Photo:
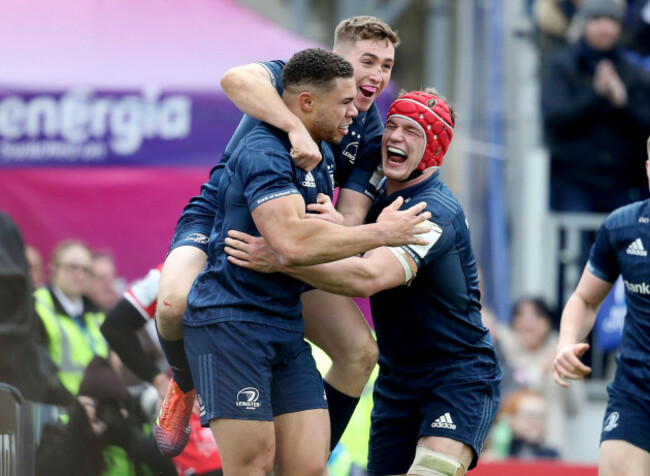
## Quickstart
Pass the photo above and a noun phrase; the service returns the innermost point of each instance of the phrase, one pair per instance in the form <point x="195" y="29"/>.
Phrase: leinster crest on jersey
<point x="352" y="147"/>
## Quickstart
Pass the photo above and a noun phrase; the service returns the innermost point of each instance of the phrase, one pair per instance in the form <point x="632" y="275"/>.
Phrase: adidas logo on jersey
<point x="444" y="421"/>
<point x="636" y="248"/>
<point x="309" y="180"/>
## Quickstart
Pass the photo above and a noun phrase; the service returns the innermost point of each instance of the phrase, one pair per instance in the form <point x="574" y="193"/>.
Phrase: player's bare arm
<point x="578" y="319"/>
<point x="300" y="242"/>
<point x="250" y="88"/>
<point x="378" y="269"/>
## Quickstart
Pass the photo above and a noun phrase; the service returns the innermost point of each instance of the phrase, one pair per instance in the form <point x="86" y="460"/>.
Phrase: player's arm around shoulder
<point x="251" y="88"/>
<point x="241" y="81"/>
<point x="377" y="270"/>
<point x="301" y="242"/>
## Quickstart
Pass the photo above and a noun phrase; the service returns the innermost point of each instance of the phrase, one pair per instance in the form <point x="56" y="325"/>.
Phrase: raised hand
<point x="567" y="364"/>
<point x="401" y="226"/>
<point x="324" y="210"/>
<point x="250" y="252"/>
<point x="608" y="84"/>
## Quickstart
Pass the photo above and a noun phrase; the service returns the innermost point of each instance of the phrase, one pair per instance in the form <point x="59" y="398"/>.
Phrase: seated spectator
<point x="69" y="323"/>
<point x="522" y="425"/>
<point x="596" y="112"/>
<point x="104" y="435"/>
<point x="528" y="349"/>
<point x="103" y="286"/>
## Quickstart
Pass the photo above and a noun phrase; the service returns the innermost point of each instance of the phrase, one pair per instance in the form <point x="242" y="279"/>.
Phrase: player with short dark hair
<point x="257" y="384"/>
<point x="619" y="249"/>
<point x="334" y="323"/>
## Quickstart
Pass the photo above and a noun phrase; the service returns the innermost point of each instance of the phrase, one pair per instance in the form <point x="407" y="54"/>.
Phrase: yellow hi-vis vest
<point x="71" y="347"/>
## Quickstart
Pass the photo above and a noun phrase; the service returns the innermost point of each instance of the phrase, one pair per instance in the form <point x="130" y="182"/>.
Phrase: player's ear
<point x="306" y="100"/>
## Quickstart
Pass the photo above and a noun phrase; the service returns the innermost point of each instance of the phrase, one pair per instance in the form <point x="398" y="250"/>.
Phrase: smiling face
<point x="402" y="148"/>
<point x="373" y="64"/>
<point x="334" y="112"/>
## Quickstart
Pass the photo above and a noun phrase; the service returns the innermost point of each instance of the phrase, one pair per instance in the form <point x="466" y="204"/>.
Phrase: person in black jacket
<point x="596" y="111"/>
<point x="23" y="363"/>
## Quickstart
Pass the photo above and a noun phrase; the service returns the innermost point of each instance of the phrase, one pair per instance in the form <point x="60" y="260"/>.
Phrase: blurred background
<point x="111" y="116"/>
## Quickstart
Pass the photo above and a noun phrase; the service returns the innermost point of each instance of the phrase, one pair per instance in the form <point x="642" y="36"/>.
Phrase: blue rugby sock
<point x="174" y="351"/>
<point x="341" y="408"/>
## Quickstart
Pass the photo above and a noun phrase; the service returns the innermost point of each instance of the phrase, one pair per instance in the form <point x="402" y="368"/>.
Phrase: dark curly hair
<point x="315" y="67"/>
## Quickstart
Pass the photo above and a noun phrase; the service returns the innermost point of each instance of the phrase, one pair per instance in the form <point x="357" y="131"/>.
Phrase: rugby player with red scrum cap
<point x="438" y="387"/>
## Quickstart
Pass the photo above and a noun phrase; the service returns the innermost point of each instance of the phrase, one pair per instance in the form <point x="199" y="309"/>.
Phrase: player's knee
<point x="358" y="356"/>
<point x="428" y="462"/>
<point x="314" y="467"/>
<point x="369" y="355"/>
<point x="261" y="464"/>
<point x="171" y="306"/>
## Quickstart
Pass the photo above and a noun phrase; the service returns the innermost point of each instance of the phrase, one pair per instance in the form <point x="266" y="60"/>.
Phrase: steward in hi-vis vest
<point x="72" y="341"/>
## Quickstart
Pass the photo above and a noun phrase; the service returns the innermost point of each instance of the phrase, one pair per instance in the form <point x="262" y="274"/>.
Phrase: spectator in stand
<point x="131" y="313"/>
<point x="69" y="322"/>
<point x="521" y="428"/>
<point x="36" y="268"/>
<point x="552" y="19"/>
<point x="596" y="111"/>
<point x="528" y="348"/>
<point x="103" y="288"/>
<point x="558" y="23"/>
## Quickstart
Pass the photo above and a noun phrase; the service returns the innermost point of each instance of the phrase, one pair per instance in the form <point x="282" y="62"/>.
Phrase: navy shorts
<point x="627" y="418"/>
<point x="195" y="223"/>
<point x="428" y="404"/>
<point x="251" y="371"/>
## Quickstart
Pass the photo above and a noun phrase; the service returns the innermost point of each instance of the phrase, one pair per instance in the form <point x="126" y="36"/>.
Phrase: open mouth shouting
<point x="395" y="156"/>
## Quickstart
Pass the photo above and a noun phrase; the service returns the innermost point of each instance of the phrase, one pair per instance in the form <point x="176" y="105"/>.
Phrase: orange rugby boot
<point x="173" y="423"/>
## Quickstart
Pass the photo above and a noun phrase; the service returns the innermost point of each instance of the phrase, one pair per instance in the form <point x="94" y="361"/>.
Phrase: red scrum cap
<point x="433" y="115"/>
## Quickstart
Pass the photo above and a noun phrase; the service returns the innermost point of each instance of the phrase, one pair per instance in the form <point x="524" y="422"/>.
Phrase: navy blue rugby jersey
<point x="358" y="156"/>
<point x="260" y="169"/>
<point x="357" y="159"/>
<point x="435" y="322"/>
<point x="621" y="247"/>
